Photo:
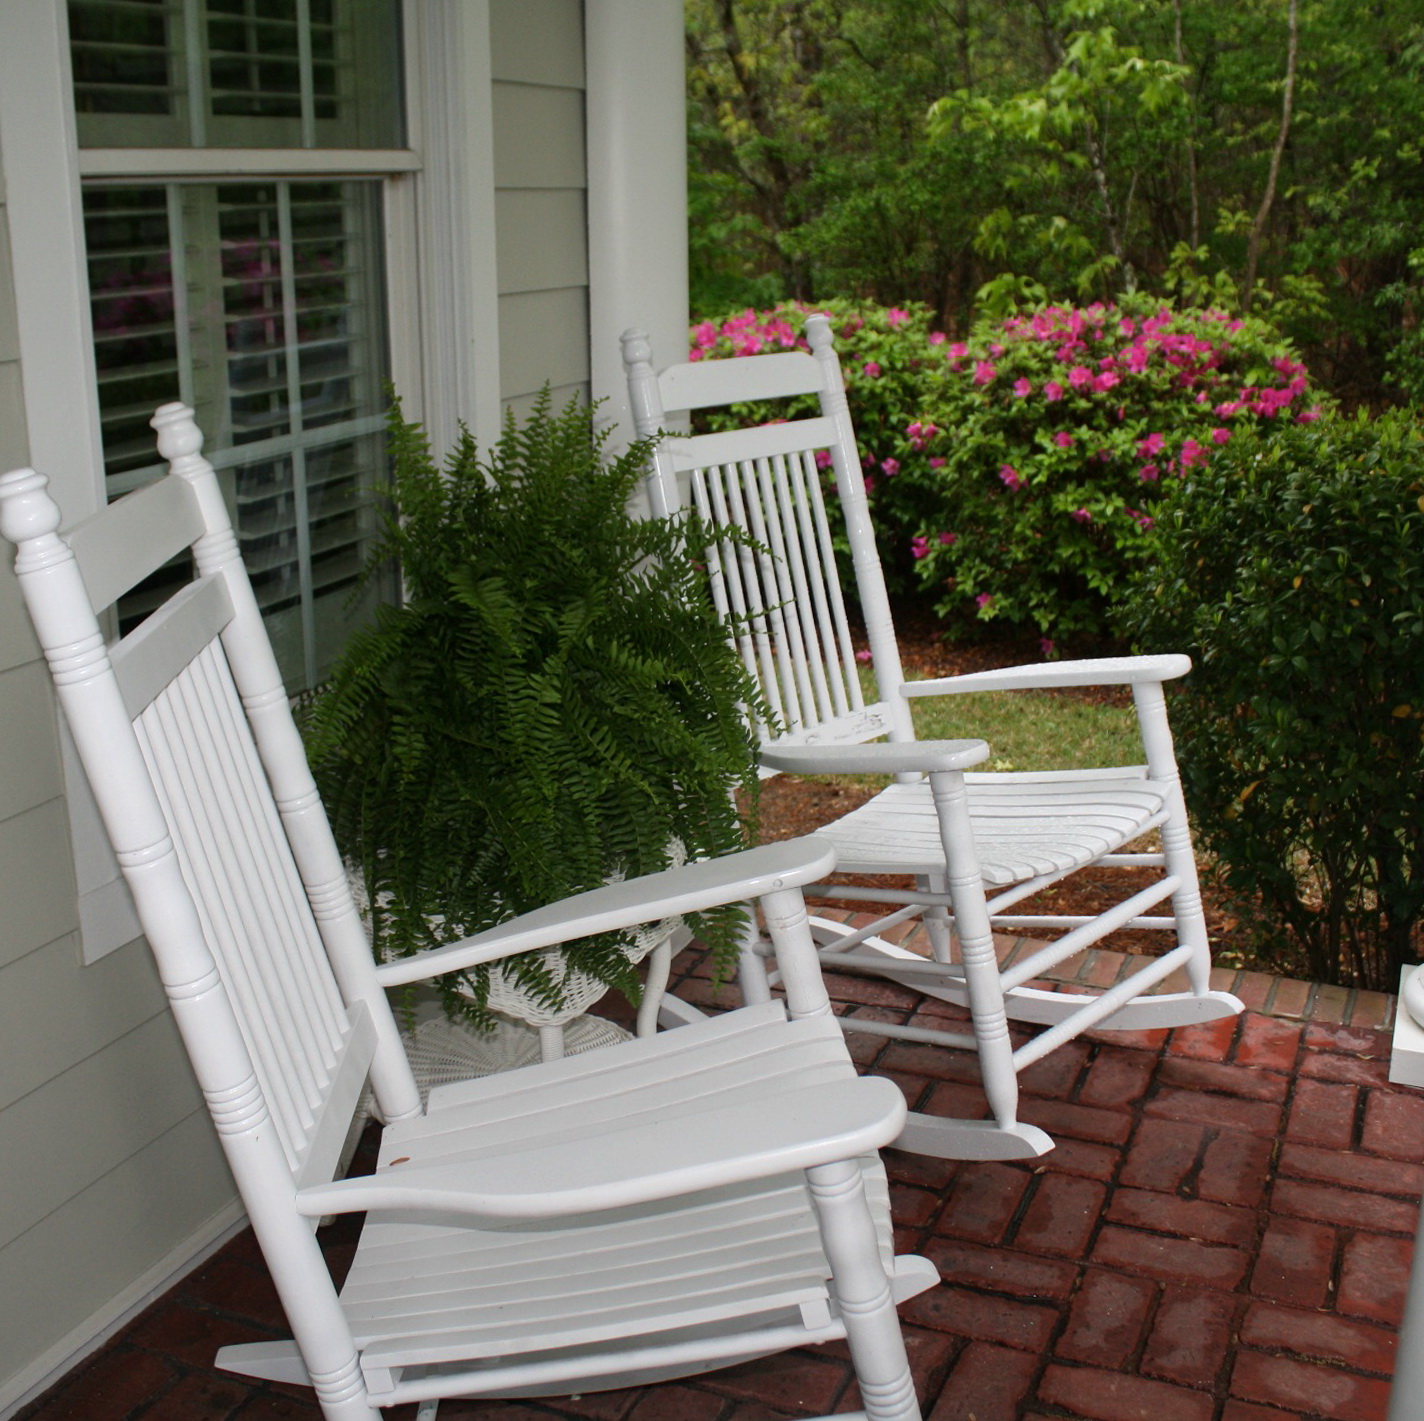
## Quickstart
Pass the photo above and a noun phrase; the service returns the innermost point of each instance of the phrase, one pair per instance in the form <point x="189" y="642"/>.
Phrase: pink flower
<point x="1079" y="376"/>
<point x="1053" y="391"/>
<point x="869" y="484"/>
<point x="1063" y="439"/>
<point x="983" y="600"/>
<point x="890" y="467"/>
<point x="914" y="429"/>
<point x="1127" y="327"/>
<point x="938" y="462"/>
<point x="958" y="349"/>
<point x="896" y="317"/>
<point x="1022" y="387"/>
<point x="1148" y="473"/>
<point x="1081" y="515"/>
<point x="937" y="337"/>
<point x="862" y="656"/>
<point x="948" y="539"/>
<point x="995" y="349"/>
<point x="920" y="546"/>
<point x="1137" y="359"/>
<point x="1141" y="519"/>
<point x="872" y="369"/>
<point x="1220" y="436"/>
<point x="984" y="371"/>
<point x="823" y="458"/>
<point x="1192" y="453"/>
<point x="1107" y="380"/>
<point x="704" y="335"/>
<point x="1308" y="416"/>
<point x="1225" y="411"/>
<point x="1010" y="478"/>
<point x="1045" y="645"/>
<point x="1150" y="446"/>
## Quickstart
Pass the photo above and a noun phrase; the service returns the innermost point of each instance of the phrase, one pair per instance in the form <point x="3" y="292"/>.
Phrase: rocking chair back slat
<point x="778" y="590"/>
<point x="240" y="872"/>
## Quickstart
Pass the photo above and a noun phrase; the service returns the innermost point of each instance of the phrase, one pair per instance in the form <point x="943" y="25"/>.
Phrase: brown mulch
<point x="791" y="807"/>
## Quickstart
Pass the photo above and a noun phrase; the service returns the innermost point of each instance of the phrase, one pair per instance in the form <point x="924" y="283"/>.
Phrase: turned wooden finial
<point x="818" y="332"/>
<point x="637" y="348"/>
<point x="178" y="432"/>
<point x="26" y="509"/>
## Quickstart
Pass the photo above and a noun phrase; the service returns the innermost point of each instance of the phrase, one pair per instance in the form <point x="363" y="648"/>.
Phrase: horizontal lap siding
<point x="541" y="211"/>
<point x="108" y="1163"/>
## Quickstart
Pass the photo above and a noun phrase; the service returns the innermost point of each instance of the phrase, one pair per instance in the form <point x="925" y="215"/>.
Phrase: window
<point x="234" y="264"/>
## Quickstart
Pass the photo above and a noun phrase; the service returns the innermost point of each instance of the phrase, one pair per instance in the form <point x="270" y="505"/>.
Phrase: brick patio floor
<point x="1223" y="1233"/>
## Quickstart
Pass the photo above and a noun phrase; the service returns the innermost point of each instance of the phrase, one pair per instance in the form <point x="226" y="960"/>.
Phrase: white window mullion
<point x="292" y="357"/>
<point x="182" y="331"/>
<point x="195" y="57"/>
<point x="305" y="75"/>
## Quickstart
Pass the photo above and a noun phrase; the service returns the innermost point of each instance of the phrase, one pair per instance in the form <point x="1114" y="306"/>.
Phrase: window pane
<point x="262" y="305"/>
<point x="237" y="73"/>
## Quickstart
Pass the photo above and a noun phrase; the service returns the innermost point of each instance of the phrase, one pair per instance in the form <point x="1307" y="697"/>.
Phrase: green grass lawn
<point x="1034" y="730"/>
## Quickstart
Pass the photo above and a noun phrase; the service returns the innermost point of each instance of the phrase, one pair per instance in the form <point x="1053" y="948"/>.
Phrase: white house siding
<point x="107" y="1161"/>
<point x="541" y="212"/>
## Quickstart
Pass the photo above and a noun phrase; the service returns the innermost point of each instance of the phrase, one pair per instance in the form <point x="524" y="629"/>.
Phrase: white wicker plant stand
<point x="442" y="1050"/>
<point x="529" y="1030"/>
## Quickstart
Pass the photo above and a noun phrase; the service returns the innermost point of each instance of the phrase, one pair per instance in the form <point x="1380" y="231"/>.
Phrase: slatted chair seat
<point x="650" y="1210"/>
<point x="1024" y="827"/>
<point x="977" y="843"/>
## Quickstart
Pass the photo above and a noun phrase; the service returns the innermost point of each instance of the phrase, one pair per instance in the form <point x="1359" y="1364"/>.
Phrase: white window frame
<point x="441" y="280"/>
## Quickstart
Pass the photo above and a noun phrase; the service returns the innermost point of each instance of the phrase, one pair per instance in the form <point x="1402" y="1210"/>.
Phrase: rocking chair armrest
<point x="660" y="1159"/>
<point x="1048" y="675"/>
<point x="904" y="757"/>
<point x="691" y="888"/>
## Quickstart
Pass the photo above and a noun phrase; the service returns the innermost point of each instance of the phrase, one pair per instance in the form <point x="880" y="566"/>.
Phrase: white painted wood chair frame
<point x="956" y="831"/>
<point x="655" y="1209"/>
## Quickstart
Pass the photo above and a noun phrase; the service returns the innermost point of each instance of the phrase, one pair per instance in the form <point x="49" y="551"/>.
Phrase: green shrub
<point x="1059" y="434"/>
<point x="554" y="703"/>
<point x="1292" y="569"/>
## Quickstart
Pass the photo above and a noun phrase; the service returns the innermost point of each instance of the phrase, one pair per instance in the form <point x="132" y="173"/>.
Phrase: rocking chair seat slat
<point x="435" y="1293"/>
<point x="1018" y="833"/>
<point x="781" y="1100"/>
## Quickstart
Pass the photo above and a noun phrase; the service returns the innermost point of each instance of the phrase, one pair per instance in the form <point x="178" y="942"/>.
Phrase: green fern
<point x="555" y="701"/>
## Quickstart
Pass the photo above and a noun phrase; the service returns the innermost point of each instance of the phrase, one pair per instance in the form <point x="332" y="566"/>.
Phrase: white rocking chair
<point x="655" y="1209"/>
<point x="956" y="832"/>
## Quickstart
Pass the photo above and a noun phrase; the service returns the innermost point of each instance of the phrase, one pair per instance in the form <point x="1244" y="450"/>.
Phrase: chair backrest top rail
<point x="700" y="384"/>
<point x="123" y="543"/>
<point x="153" y="655"/>
<point x="762" y="441"/>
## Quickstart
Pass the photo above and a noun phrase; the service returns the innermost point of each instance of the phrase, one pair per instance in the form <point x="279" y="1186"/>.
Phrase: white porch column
<point x="637" y="189"/>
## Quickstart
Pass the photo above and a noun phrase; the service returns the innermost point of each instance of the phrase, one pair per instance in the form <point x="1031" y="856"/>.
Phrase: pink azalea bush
<point x="1016" y="475"/>
<point x="1054" y="470"/>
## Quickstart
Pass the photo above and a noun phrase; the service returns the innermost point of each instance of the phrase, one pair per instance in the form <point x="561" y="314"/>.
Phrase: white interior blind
<point x="236" y="73"/>
<point x="262" y="305"/>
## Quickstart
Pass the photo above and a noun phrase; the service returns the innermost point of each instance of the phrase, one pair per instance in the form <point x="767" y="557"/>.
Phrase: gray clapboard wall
<point x="109" y="1167"/>
<point x="108" y="1162"/>
<point x="541" y="213"/>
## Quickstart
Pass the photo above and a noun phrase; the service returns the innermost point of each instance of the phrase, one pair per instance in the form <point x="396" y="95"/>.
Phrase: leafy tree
<point x="1256" y="154"/>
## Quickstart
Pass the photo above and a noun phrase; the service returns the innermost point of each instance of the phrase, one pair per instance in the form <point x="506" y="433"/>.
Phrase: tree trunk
<point x="1263" y="213"/>
<point x="1194" y="197"/>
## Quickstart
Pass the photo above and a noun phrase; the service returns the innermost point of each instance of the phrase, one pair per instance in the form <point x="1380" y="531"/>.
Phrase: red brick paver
<point x="1222" y="1233"/>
